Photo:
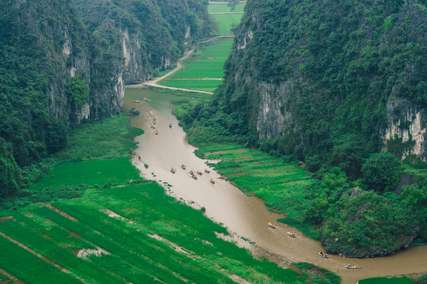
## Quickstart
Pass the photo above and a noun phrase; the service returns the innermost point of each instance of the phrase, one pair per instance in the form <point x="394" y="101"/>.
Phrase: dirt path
<point x="155" y="83"/>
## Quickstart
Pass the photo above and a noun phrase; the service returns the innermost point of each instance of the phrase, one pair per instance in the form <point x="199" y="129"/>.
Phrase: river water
<point x="163" y="147"/>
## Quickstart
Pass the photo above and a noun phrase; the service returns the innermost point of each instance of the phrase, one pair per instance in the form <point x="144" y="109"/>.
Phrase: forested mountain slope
<point x="342" y="87"/>
<point x="315" y="78"/>
<point x="63" y="62"/>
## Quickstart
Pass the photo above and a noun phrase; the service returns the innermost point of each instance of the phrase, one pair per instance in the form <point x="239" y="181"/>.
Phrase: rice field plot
<point x="135" y="233"/>
<point x="385" y="280"/>
<point x="226" y="18"/>
<point x="204" y="70"/>
<point x="88" y="173"/>
<point x="225" y="23"/>
<point x="282" y="185"/>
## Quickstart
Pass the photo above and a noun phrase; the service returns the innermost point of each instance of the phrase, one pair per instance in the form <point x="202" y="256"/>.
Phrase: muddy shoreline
<point x="163" y="149"/>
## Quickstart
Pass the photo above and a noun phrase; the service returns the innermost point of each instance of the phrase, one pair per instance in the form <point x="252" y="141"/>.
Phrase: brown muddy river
<point x="163" y="147"/>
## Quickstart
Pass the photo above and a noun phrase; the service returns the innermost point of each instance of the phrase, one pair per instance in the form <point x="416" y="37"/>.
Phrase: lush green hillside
<point x="332" y="84"/>
<point x="66" y="62"/>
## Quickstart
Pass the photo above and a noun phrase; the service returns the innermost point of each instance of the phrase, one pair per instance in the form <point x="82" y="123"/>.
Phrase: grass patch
<point x="97" y="155"/>
<point x="317" y="275"/>
<point x="225" y="23"/>
<point x="204" y="70"/>
<point x="385" y="280"/>
<point x="225" y="18"/>
<point x="283" y="186"/>
<point x="88" y="173"/>
<point x="110" y="138"/>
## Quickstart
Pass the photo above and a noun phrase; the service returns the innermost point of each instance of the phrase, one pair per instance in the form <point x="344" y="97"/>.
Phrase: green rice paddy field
<point x="205" y="69"/>
<point x="283" y="186"/>
<point x="226" y="18"/>
<point x="118" y="228"/>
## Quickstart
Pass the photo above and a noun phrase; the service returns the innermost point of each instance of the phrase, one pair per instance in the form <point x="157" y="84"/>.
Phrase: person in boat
<point x="323" y="254"/>
<point x="351" y="266"/>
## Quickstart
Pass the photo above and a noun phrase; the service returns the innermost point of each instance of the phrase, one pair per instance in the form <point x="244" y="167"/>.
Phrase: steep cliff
<point x="312" y="77"/>
<point x="341" y="86"/>
<point x="64" y="62"/>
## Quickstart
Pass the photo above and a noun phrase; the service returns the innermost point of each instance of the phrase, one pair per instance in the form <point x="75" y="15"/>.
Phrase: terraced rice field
<point x="99" y="222"/>
<point x="282" y="185"/>
<point x="126" y="234"/>
<point x="205" y="69"/>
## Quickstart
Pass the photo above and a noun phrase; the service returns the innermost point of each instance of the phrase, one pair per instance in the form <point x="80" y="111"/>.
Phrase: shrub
<point x="366" y="224"/>
<point x="381" y="172"/>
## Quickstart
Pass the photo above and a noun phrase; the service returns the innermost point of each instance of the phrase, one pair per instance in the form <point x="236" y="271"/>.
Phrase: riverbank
<point x="91" y="218"/>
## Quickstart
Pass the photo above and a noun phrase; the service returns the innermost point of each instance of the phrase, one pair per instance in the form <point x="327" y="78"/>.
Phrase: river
<point x="163" y="146"/>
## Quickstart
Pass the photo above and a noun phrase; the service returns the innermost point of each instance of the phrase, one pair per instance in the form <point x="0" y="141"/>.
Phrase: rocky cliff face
<point x="64" y="62"/>
<point x="314" y="77"/>
<point x="406" y="127"/>
<point x="136" y="39"/>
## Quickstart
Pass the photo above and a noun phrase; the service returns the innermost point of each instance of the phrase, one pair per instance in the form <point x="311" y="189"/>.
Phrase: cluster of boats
<point x="194" y="174"/>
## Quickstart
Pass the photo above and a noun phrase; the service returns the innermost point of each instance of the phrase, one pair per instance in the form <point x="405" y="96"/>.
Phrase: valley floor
<point x="118" y="228"/>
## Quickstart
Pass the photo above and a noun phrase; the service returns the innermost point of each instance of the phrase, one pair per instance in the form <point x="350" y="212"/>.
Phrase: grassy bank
<point x="99" y="222"/>
<point x="98" y="145"/>
<point x="282" y="185"/>
<point x="396" y="280"/>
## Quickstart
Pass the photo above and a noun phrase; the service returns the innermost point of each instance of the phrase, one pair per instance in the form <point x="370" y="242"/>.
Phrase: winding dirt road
<point x="155" y="83"/>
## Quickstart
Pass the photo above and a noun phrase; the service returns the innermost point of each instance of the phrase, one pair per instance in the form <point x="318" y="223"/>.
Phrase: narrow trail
<point x="155" y="83"/>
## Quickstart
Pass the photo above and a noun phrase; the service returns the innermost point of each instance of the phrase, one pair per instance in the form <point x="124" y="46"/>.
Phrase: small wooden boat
<point x="292" y="235"/>
<point x="270" y="225"/>
<point x="351" y="266"/>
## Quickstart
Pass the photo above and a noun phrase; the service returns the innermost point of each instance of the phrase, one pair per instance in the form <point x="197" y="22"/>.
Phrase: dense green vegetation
<point x="397" y="280"/>
<point x="63" y="62"/>
<point x="121" y="228"/>
<point x="319" y="82"/>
